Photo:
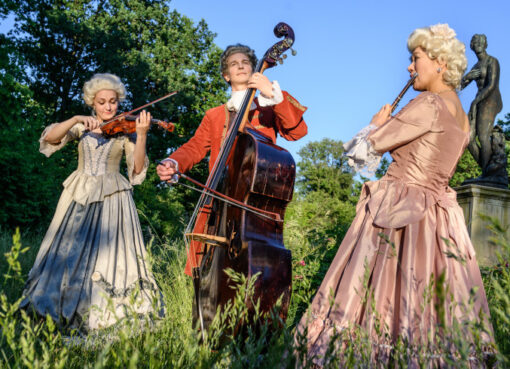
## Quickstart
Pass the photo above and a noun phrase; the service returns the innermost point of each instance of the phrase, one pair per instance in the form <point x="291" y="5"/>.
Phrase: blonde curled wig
<point x="439" y="42"/>
<point x="103" y="81"/>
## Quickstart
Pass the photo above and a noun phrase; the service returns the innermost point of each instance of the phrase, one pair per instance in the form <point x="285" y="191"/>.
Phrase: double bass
<point x="248" y="239"/>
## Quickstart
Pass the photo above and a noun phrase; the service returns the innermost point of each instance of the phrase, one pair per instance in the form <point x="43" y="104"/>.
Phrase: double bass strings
<point x="209" y="193"/>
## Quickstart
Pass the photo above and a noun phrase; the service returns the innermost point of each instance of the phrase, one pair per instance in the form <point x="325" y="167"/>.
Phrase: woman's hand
<point x="382" y="116"/>
<point x="261" y="83"/>
<point x="89" y="122"/>
<point x="143" y="123"/>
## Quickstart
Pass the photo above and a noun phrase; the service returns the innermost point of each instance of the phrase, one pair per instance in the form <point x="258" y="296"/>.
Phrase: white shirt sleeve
<point x="276" y="99"/>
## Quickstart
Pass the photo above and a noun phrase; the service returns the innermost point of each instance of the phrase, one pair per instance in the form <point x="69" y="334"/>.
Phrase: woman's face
<point x="426" y="68"/>
<point x="106" y="104"/>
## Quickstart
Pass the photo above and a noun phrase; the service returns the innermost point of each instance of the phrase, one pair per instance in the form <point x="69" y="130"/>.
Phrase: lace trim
<point x="96" y="149"/>
<point x="271" y="101"/>
<point x="142" y="283"/>
<point x="361" y="155"/>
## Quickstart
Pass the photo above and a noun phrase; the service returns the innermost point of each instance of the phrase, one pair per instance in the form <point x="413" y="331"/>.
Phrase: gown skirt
<point x="92" y="269"/>
<point x="389" y="281"/>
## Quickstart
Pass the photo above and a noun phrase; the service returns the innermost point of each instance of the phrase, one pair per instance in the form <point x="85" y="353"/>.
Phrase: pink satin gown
<point x="422" y="223"/>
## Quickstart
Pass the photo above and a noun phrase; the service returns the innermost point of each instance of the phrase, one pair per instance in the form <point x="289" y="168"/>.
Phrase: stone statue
<point x="484" y="108"/>
<point x="496" y="172"/>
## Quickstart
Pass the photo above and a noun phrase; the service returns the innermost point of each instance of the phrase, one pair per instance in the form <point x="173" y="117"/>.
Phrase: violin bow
<point x="141" y="107"/>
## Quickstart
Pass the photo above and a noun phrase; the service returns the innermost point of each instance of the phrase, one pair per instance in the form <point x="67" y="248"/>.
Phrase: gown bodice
<point x="98" y="172"/>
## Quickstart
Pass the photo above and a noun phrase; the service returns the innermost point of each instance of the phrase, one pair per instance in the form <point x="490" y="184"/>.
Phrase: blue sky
<point x="352" y="55"/>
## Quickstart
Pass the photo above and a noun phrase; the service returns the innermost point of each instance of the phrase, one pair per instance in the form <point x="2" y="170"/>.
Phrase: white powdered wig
<point x="439" y="42"/>
<point x="103" y="81"/>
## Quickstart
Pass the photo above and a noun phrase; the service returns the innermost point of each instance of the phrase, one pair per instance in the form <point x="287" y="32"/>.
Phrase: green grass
<point x="172" y="343"/>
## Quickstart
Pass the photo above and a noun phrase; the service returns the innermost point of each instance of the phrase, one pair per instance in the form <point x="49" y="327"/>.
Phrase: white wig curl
<point x="103" y="81"/>
<point x="439" y="42"/>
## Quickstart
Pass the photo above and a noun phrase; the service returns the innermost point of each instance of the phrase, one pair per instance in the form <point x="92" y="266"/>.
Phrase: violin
<point x="126" y="124"/>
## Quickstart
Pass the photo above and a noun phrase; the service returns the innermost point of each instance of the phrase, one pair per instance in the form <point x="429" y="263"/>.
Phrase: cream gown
<point x="93" y="250"/>
<point x="396" y="244"/>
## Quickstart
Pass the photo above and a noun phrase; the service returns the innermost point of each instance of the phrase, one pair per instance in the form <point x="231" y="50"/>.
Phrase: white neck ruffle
<point x="235" y="101"/>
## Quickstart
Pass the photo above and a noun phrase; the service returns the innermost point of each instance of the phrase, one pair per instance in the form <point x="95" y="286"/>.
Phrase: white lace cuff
<point x="276" y="99"/>
<point x="362" y="157"/>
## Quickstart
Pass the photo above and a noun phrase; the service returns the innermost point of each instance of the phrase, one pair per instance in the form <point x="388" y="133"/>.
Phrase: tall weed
<point x="172" y="342"/>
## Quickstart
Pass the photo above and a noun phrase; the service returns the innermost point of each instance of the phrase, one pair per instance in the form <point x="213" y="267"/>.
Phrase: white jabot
<point x="362" y="156"/>
<point x="235" y="101"/>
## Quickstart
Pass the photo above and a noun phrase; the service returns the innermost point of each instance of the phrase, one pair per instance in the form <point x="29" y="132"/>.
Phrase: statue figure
<point x="496" y="172"/>
<point x="484" y="108"/>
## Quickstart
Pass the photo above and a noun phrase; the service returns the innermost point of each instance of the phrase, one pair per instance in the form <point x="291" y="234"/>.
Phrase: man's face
<point x="239" y="69"/>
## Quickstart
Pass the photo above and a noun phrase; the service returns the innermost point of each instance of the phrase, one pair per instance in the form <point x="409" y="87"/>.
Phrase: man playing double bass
<point x="273" y="111"/>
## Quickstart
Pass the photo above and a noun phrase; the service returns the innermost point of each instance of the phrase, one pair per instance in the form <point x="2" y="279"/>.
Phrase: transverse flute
<point x="404" y="90"/>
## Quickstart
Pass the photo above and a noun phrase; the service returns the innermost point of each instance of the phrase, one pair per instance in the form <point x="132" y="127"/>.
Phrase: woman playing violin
<point x="93" y="250"/>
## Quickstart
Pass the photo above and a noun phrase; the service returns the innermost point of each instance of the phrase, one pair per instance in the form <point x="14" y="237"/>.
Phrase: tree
<point x="505" y="125"/>
<point x="153" y="49"/>
<point x="324" y="168"/>
<point x="26" y="187"/>
<point x="467" y="168"/>
<point x="326" y="193"/>
<point x="321" y="212"/>
<point x="5" y="7"/>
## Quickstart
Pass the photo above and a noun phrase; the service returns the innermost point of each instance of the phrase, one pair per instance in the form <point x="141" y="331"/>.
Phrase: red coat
<point x="285" y="118"/>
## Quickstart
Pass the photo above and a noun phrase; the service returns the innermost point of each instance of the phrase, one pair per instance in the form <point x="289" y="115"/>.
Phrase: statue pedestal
<point x="490" y="201"/>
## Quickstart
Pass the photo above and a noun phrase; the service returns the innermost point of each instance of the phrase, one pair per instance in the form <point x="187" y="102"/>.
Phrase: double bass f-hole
<point x="234" y="245"/>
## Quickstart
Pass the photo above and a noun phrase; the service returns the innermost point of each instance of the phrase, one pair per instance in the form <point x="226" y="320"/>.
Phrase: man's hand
<point x="167" y="170"/>
<point x="261" y="83"/>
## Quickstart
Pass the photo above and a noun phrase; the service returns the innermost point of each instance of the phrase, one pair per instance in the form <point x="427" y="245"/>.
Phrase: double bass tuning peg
<point x="280" y="61"/>
<point x="294" y="52"/>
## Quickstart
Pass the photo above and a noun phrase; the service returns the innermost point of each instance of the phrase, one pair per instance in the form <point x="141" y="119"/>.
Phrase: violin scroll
<point x="275" y="53"/>
<point x="167" y="126"/>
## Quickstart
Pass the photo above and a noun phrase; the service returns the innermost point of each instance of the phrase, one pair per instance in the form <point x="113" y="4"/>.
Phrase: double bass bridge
<point x="209" y="239"/>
